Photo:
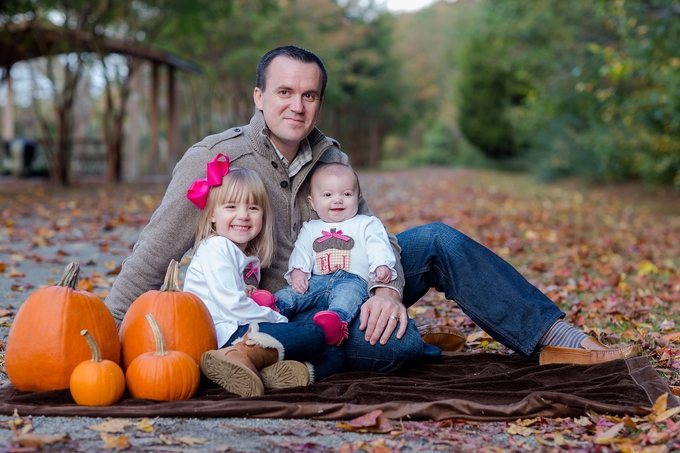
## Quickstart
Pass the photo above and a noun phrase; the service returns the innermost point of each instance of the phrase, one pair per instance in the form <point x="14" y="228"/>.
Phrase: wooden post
<point x="8" y="114"/>
<point x="153" y="156"/>
<point x="131" y="160"/>
<point x="173" y="120"/>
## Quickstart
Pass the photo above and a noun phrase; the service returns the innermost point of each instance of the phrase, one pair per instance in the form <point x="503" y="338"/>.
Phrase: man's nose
<point x="297" y="105"/>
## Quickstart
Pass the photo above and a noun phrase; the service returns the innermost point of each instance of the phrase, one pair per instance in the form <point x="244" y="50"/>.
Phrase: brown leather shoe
<point x="554" y="354"/>
<point x="446" y="338"/>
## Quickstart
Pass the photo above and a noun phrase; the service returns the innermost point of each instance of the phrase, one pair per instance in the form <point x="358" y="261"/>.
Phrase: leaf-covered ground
<point x="610" y="257"/>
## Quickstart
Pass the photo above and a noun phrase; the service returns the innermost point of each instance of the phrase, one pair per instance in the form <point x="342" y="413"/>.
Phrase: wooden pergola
<point x="29" y="40"/>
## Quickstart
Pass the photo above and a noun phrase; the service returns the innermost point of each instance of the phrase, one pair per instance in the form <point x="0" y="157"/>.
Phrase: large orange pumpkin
<point x="44" y="345"/>
<point x="183" y="318"/>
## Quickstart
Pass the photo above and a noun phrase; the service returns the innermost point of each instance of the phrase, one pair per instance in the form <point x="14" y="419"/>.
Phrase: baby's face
<point x="335" y="197"/>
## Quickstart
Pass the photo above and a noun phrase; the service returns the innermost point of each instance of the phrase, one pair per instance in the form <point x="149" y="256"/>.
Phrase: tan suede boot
<point x="286" y="374"/>
<point x="236" y="368"/>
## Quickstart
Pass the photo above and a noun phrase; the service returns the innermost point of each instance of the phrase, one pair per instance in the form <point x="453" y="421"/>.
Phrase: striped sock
<point x="562" y="335"/>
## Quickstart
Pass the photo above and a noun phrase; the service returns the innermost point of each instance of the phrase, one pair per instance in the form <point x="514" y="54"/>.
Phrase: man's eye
<point x="311" y="97"/>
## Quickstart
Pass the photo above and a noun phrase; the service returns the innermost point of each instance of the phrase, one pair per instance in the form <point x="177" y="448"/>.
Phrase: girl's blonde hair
<point x="240" y="185"/>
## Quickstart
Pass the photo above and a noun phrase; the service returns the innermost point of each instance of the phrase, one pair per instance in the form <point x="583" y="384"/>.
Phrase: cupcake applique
<point x="333" y="251"/>
<point x="250" y="276"/>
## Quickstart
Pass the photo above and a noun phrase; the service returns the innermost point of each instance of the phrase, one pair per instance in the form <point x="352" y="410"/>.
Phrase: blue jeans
<point x="303" y="342"/>
<point x="488" y="289"/>
<point x="341" y="292"/>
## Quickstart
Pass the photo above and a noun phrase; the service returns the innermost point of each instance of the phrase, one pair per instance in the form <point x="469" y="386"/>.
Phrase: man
<point x="282" y="144"/>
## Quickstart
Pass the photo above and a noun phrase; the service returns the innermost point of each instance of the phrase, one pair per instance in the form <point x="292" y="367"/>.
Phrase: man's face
<point x="290" y="103"/>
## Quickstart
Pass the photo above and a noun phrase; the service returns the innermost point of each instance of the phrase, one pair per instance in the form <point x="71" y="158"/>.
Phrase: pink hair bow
<point x="215" y="171"/>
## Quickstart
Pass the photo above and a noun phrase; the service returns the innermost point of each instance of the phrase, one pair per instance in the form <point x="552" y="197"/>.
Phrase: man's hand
<point x="299" y="281"/>
<point x="381" y="314"/>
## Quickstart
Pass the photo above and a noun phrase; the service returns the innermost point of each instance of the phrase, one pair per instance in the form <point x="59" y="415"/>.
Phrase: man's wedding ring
<point x="393" y="317"/>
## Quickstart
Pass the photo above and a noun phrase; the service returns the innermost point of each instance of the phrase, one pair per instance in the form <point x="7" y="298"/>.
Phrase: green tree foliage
<point x="427" y="44"/>
<point x="587" y="88"/>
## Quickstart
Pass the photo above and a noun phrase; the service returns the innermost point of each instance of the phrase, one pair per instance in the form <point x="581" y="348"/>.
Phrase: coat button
<point x="275" y="165"/>
<point x="284" y="184"/>
<point x="237" y="130"/>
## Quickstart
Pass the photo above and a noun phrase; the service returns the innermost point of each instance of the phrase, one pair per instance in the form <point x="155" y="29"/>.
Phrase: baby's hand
<point x="298" y="281"/>
<point x="383" y="274"/>
<point x="249" y="290"/>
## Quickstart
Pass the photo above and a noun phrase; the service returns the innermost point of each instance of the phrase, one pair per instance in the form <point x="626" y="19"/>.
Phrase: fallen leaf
<point x="39" y="440"/>
<point x="191" y="441"/>
<point x="366" y="420"/>
<point x="372" y="422"/>
<point x="114" y="425"/>
<point x="520" y="430"/>
<point x="145" y="425"/>
<point x="117" y="442"/>
<point x="608" y="436"/>
<point x="13" y="273"/>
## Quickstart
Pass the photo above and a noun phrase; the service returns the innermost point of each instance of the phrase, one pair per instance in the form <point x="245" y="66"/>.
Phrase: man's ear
<point x="257" y="98"/>
<point x="311" y="202"/>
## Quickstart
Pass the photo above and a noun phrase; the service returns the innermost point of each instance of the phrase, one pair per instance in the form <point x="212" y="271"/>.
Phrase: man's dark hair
<point x="295" y="53"/>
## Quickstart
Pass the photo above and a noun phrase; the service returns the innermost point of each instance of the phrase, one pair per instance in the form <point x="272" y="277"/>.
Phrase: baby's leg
<point x="290" y="302"/>
<point x="347" y="293"/>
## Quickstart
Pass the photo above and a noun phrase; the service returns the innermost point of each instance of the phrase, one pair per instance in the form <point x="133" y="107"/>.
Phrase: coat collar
<point x="262" y="144"/>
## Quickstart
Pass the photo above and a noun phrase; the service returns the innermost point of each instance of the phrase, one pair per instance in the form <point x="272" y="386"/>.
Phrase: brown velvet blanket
<point x="462" y="385"/>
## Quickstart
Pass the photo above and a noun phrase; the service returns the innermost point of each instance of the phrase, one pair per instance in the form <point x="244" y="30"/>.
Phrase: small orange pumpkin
<point x="162" y="375"/>
<point x="183" y="317"/>
<point x="44" y="344"/>
<point x="97" y="382"/>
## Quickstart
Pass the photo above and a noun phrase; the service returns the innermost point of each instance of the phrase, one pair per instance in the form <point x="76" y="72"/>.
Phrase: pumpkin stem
<point x="157" y="335"/>
<point x="171" y="282"/>
<point x="94" y="347"/>
<point x="70" y="276"/>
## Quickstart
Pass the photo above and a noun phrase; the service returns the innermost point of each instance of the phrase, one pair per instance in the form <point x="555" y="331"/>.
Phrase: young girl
<point x="233" y="240"/>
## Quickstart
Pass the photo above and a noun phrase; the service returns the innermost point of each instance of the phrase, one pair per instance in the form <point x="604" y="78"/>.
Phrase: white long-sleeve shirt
<point x="363" y="241"/>
<point x="216" y="275"/>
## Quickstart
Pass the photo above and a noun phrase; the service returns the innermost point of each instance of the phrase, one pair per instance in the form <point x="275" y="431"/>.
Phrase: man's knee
<point x="387" y="358"/>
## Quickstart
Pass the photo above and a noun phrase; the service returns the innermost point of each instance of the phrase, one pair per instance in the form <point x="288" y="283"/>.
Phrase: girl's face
<point x="240" y="222"/>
